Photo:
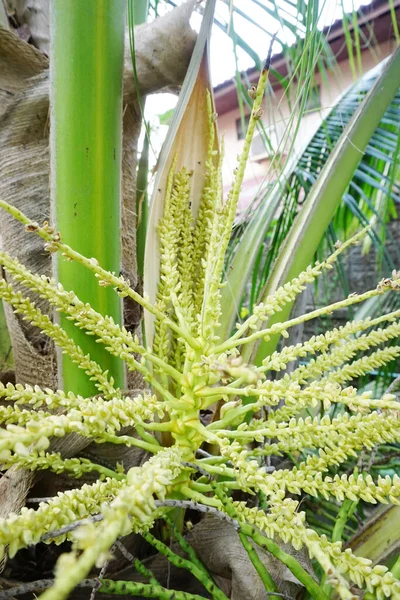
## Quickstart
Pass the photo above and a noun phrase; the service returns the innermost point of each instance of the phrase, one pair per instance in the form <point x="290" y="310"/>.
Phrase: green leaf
<point x="166" y="118"/>
<point x="327" y="191"/>
<point x="378" y="539"/>
<point x="256" y="244"/>
<point x="5" y="343"/>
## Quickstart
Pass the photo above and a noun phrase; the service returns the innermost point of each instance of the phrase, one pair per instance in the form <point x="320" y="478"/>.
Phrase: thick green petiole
<point x="130" y="588"/>
<point x="87" y="45"/>
<point x="264" y="542"/>
<point x="183" y="563"/>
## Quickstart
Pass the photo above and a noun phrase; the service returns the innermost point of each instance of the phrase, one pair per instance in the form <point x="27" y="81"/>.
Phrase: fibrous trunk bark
<point x="163" y="51"/>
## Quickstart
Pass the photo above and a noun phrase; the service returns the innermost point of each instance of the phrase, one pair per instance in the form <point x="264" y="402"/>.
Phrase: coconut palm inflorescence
<point x="311" y="412"/>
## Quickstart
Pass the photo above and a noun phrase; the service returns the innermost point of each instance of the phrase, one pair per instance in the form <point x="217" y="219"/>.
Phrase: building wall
<point x="278" y="113"/>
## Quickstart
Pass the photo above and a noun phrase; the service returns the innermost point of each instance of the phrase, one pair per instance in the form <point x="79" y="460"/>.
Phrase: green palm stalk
<point x="86" y="133"/>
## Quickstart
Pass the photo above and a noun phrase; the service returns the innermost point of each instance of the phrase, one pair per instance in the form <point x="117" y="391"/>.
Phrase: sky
<point x="222" y="57"/>
<point x="256" y="34"/>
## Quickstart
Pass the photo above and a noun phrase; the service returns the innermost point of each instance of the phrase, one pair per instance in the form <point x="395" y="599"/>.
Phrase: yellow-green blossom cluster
<point x="346" y="350"/>
<point x="300" y="434"/>
<point x="210" y="200"/>
<point x="377" y="579"/>
<point x="133" y="508"/>
<point x="32" y="314"/>
<point x="308" y="476"/>
<point x="118" y="412"/>
<point x="97" y="419"/>
<point x="176" y="199"/>
<point x="117" y="340"/>
<point x="364" y="365"/>
<point x="53" y="461"/>
<point x="189" y="369"/>
<point x="294" y="399"/>
<point x="283" y="520"/>
<point x="37" y="397"/>
<point x="281" y="328"/>
<point x="30" y="525"/>
<point x="284" y="295"/>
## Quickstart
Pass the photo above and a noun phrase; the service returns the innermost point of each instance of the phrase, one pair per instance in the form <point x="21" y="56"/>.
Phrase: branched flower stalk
<point x="189" y="369"/>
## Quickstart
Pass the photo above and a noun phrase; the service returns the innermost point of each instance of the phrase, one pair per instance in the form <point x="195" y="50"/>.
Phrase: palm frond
<point x="370" y="197"/>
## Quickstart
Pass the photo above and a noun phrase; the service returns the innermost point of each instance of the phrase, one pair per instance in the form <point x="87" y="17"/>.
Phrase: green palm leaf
<point x="372" y="192"/>
<point x="370" y="195"/>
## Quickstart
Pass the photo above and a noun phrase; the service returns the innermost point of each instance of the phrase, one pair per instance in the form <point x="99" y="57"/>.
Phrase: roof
<point x="376" y="14"/>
